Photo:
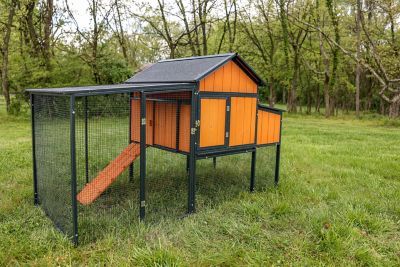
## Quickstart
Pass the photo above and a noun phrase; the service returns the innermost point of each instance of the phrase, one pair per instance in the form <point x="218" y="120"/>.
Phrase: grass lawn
<point x="338" y="203"/>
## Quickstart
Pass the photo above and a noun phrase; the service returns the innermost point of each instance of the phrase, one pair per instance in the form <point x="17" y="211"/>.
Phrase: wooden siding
<point x="184" y="128"/>
<point x="228" y="78"/>
<point x="268" y="128"/>
<point x="161" y="120"/>
<point x="212" y="122"/>
<point x="135" y="121"/>
<point x="165" y="124"/>
<point x="242" y="121"/>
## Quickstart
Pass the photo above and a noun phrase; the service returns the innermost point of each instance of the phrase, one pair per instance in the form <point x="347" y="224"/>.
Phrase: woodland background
<point x="315" y="55"/>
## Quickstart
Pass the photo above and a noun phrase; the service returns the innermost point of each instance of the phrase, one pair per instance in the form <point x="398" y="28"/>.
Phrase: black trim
<point x="73" y="171"/>
<point x="215" y="67"/>
<point x="192" y="157"/>
<point x="208" y="94"/>
<point x="86" y="140"/>
<point x="169" y="149"/>
<point x="221" y="153"/>
<point x="130" y="136"/>
<point x="115" y="89"/>
<point x="142" y="193"/>
<point x="228" y="121"/>
<point x="225" y="150"/>
<point x="269" y="109"/>
<point x="34" y="169"/>
<point x="249" y="70"/>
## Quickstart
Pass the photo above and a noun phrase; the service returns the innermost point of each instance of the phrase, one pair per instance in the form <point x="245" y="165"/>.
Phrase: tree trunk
<point x="292" y="98"/>
<point x="271" y="94"/>
<point x="394" y="109"/>
<point x="4" y="51"/>
<point x="358" y="52"/>
<point x="48" y="24"/>
<point x="382" y="106"/>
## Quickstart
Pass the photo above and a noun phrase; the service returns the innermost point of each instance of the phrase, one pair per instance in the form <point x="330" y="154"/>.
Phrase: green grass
<point x="337" y="204"/>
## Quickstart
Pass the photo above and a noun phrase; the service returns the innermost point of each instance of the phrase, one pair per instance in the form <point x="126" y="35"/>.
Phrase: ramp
<point x="108" y="175"/>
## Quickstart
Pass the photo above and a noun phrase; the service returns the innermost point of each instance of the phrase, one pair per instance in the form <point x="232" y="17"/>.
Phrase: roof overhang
<point x="114" y="89"/>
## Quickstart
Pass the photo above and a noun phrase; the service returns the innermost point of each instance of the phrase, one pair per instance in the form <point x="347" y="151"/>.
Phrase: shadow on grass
<point x="116" y="211"/>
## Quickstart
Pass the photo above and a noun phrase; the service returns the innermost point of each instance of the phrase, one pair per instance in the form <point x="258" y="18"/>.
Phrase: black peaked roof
<point x="191" y="69"/>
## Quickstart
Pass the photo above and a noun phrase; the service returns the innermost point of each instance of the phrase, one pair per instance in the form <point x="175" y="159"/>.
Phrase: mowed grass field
<point x="338" y="203"/>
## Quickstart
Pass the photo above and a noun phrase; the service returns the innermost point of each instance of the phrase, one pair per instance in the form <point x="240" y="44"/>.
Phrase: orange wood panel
<point x="212" y="122"/>
<point x="277" y="127"/>
<point x="242" y="120"/>
<point x="209" y="82"/>
<point x="268" y="128"/>
<point x="108" y="175"/>
<point x="135" y="121"/>
<point x="165" y="124"/>
<point x="228" y="78"/>
<point x="184" y="128"/>
<point x="227" y="82"/>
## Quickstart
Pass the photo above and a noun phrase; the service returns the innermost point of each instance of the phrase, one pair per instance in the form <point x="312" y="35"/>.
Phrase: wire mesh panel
<point x="51" y="133"/>
<point x="107" y="195"/>
<point x="168" y="137"/>
<point x="265" y="167"/>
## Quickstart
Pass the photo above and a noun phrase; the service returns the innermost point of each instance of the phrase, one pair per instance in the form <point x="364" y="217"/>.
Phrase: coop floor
<point x="337" y="205"/>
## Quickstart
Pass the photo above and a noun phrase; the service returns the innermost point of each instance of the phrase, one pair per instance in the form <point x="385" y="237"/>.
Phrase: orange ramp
<point x="108" y="175"/>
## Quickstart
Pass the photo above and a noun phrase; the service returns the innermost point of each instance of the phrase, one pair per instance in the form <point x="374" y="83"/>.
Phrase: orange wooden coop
<point x="202" y="107"/>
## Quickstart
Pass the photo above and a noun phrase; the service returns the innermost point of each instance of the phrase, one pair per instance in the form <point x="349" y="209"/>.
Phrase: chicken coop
<point x="88" y="141"/>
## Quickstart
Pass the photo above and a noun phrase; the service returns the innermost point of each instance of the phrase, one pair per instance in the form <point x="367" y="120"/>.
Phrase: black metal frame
<point x="35" y="186"/>
<point x="194" y="154"/>
<point x="73" y="171"/>
<point x="142" y="194"/>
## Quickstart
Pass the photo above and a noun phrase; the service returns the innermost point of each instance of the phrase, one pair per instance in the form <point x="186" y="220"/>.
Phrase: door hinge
<point x="143" y="121"/>
<point x="227" y="134"/>
<point x="193" y="130"/>
<point x="228" y="108"/>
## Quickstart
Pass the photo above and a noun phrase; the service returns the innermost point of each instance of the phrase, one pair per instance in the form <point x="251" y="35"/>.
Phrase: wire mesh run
<point x="101" y="161"/>
<point x="51" y="133"/>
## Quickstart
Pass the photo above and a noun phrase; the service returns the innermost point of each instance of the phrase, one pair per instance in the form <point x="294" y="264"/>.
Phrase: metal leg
<point x="73" y="170"/>
<point x="253" y="170"/>
<point x="142" y="155"/>
<point x="187" y="163"/>
<point x="277" y="163"/>
<point x="192" y="185"/>
<point x="215" y="162"/>
<point x="192" y="157"/>
<point x="35" y="187"/>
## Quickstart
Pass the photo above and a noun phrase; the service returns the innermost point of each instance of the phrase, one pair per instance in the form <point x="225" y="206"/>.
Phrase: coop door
<point x="242" y="121"/>
<point x="212" y="122"/>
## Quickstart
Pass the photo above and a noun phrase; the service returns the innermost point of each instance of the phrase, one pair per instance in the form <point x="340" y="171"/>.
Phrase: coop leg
<point x="187" y="163"/>
<point x="277" y="163"/>
<point x="215" y="162"/>
<point x="253" y="170"/>
<point x="192" y="185"/>
<point x="142" y="155"/>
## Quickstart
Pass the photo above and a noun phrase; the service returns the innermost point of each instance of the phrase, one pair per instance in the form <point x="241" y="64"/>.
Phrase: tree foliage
<point x="313" y="53"/>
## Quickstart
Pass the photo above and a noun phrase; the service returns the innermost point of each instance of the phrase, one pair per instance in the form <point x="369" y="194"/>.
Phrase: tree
<point x="5" y="53"/>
